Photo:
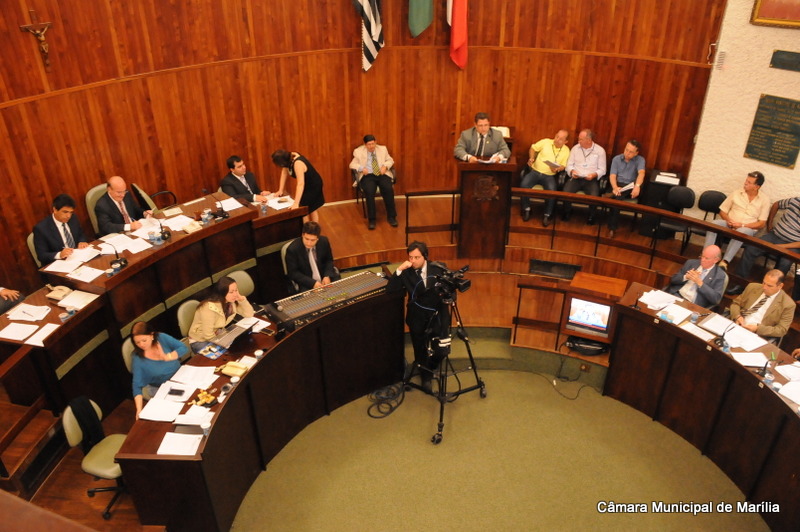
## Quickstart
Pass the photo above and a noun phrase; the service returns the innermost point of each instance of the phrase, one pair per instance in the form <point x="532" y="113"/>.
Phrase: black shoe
<point x="735" y="291"/>
<point x="526" y="215"/>
<point x="590" y="220"/>
<point x="371" y="225"/>
<point x="393" y="221"/>
<point x="546" y="220"/>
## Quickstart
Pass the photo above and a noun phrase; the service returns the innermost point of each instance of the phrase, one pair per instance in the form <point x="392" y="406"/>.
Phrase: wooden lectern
<point x="485" y="208"/>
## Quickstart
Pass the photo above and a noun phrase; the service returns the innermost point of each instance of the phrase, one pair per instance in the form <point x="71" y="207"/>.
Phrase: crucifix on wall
<point x="38" y="29"/>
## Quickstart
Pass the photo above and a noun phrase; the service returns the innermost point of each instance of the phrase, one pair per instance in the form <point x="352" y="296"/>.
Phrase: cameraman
<point x="427" y="316"/>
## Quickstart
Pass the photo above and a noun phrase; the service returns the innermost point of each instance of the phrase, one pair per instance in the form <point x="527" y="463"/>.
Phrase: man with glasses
<point x="116" y="211"/>
<point x="700" y="281"/>
<point x="764" y="308"/>
<point x="745" y="211"/>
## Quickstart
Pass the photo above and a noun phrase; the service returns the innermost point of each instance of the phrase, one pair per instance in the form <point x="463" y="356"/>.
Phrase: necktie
<point x="421" y="278"/>
<point x="754" y="308"/>
<point x="312" y="259"/>
<point x="244" y="182"/>
<point x="375" y="168"/>
<point x="125" y="217"/>
<point x="479" y="151"/>
<point x="68" y="236"/>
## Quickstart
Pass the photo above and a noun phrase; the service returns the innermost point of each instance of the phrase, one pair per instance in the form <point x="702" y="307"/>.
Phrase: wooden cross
<point x="38" y="29"/>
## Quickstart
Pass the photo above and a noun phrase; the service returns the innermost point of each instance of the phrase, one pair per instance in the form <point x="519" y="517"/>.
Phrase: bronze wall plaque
<point x="775" y="136"/>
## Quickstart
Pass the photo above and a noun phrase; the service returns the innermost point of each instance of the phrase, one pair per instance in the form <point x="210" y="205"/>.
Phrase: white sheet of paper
<point x="25" y="312"/>
<point x="791" y="372"/>
<point x="751" y="360"/>
<point x="230" y="204"/>
<point x="120" y="242"/>
<point x="139" y="244"/>
<point x="196" y="415"/>
<point x="716" y="324"/>
<point x="279" y="203"/>
<point x="83" y="255"/>
<point x="17" y="331"/>
<point x="87" y="274"/>
<point x="180" y="444"/>
<point x="248" y="361"/>
<point x="741" y="337"/>
<point x="38" y="338"/>
<point x="199" y="377"/>
<point x="62" y="266"/>
<point x="791" y="390"/>
<point x="148" y="225"/>
<point x="161" y="410"/>
<point x="656" y="299"/>
<point x="77" y="299"/>
<point x="163" y="392"/>
<point x="678" y="313"/>
<point x="178" y="222"/>
<point x="697" y="331"/>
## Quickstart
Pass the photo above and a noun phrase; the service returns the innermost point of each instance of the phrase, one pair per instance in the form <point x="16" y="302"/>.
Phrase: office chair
<point x="186" y="316"/>
<point x="360" y="193"/>
<point x="709" y="203"/>
<point x="99" y="455"/>
<point x="679" y="197"/>
<point x="32" y="249"/>
<point x="147" y="201"/>
<point x="92" y="197"/>
<point x="294" y="288"/>
<point x="244" y="282"/>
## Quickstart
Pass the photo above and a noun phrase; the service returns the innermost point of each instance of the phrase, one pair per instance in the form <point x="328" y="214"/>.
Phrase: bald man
<point x="116" y="210"/>
<point x="700" y="281"/>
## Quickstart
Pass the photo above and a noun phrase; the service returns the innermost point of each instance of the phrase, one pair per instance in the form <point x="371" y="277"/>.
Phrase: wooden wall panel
<point x="162" y="92"/>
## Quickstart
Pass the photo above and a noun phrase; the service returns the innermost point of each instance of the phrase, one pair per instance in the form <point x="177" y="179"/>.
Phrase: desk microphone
<point x="119" y="262"/>
<point x="720" y="341"/>
<point x="636" y="302"/>
<point x="221" y="213"/>
<point x="166" y="234"/>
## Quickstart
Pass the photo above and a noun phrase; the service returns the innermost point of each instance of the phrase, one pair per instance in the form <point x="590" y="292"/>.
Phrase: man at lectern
<point x="481" y="141"/>
<point x="700" y="281"/>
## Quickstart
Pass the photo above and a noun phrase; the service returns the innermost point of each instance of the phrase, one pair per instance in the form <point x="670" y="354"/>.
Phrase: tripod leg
<point x="441" y="395"/>
<point x="462" y="333"/>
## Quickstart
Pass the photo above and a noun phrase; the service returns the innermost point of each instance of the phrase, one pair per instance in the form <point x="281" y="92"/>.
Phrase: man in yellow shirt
<point x="546" y="158"/>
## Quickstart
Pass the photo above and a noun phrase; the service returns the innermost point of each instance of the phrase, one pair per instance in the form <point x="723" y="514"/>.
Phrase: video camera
<point x="448" y="283"/>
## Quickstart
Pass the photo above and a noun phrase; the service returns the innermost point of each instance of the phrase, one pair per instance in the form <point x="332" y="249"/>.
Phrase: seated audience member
<point x="241" y="184"/>
<point x="585" y="167"/>
<point x="117" y="211"/>
<point x="481" y="141"/>
<point x="545" y="159"/>
<point x="8" y="298"/>
<point x="374" y="166"/>
<point x="216" y="312"/>
<point x="785" y="234"/>
<point x="745" y="210"/>
<point x="309" y="259"/>
<point x="59" y="234"/>
<point x="765" y="308"/>
<point x="700" y="281"/>
<point x="627" y="170"/>
<point x="157" y="358"/>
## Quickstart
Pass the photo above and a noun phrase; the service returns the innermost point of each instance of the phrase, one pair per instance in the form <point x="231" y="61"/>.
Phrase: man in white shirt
<point x="586" y="166"/>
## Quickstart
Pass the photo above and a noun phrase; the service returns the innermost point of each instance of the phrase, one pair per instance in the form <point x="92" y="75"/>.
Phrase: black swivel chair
<point x="709" y="203"/>
<point x="679" y="198"/>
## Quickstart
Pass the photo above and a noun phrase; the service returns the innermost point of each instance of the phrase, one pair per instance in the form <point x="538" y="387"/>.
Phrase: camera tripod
<point x="445" y="369"/>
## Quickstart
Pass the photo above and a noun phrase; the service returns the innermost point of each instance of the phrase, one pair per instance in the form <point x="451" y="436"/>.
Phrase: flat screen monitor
<point x="588" y="316"/>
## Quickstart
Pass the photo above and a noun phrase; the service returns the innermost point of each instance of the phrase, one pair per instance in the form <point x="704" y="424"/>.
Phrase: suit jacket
<point x="298" y="267"/>
<point x="47" y="238"/>
<point x="109" y="217"/>
<point x="360" y="155"/>
<point x="710" y="293"/>
<point x="234" y="188"/>
<point x="420" y="297"/>
<point x="778" y="317"/>
<point x="468" y="143"/>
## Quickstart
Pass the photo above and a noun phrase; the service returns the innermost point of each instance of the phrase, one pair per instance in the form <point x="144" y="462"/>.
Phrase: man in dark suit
<point x="427" y="317"/>
<point x="700" y="281"/>
<point x="765" y="308"/>
<point x="117" y="211"/>
<point x="59" y="234"/>
<point x="481" y="141"/>
<point x="309" y="259"/>
<point x="240" y="183"/>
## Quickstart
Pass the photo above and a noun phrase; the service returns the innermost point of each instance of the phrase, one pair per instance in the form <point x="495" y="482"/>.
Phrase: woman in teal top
<point x="157" y="358"/>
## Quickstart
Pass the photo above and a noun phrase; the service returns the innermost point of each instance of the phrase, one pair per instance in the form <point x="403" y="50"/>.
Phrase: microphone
<point x="119" y="262"/>
<point x="166" y="234"/>
<point x="720" y="340"/>
<point x="221" y="213"/>
<point x="636" y="302"/>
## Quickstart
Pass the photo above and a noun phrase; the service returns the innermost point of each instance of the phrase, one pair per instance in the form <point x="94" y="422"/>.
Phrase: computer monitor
<point x="588" y="317"/>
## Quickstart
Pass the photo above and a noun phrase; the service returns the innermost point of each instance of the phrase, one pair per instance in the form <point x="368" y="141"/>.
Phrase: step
<point x="33" y="453"/>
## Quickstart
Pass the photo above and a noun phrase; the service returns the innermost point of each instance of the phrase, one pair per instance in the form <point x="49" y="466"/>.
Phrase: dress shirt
<point x="585" y="161"/>
<point x="741" y="210"/>
<point x="758" y="316"/>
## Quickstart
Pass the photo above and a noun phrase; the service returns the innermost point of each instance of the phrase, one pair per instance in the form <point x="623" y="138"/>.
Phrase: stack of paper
<point x="180" y="444"/>
<point x="26" y="312"/>
<point x="77" y="299"/>
<point x="87" y="274"/>
<point x="283" y="202"/>
<point x="161" y="410"/>
<point x="752" y="360"/>
<point x="17" y="331"/>
<point x="791" y="372"/>
<point x="656" y="299"/>
<point x="197" y="376"/>
<point x="38" y="338"/>
<point x="196" y="415"/>
<point x="791" y="390"/>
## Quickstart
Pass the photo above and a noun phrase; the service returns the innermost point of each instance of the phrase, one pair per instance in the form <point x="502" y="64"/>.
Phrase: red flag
<point x="458" y="32"/>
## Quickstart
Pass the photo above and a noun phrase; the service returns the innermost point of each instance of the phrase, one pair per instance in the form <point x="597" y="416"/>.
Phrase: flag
<point x="420" y="16"/>
<point x="457" y="18"/>
<point x="371" y="30"/>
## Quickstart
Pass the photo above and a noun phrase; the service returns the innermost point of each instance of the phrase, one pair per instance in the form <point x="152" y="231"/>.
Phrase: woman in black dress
<point x="309" y="183"/>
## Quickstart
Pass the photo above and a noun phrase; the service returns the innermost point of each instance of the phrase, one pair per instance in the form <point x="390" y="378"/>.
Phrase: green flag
<point x="420" y="16"/>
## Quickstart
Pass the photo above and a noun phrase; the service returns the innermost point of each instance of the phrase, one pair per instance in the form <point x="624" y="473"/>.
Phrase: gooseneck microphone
<point x="220" y="213"/>
<point x="166" y="234"/>
<point x="119" y="262"/>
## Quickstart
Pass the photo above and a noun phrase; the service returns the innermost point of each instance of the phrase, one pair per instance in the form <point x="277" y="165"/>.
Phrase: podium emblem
<point x="485" y="188"/>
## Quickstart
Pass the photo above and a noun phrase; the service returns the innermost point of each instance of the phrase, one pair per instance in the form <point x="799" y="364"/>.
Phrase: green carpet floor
<point x="530" y="456"/>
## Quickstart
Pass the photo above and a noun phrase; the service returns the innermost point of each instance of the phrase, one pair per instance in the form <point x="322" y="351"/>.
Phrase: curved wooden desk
<point x="311" y="372"/>
<point x="716" y="404"/>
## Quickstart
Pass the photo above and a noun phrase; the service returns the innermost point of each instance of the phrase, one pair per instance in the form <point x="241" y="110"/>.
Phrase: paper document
<point x="669" y="179"/>
<point x="26" y="312"/>
<point x="17" y="331"/>
<point x="180" y="444"/>
<point x="177" y="223"/>
<point x="751" y="360"/>
<point x="230" y="204"/>
<point x="790" y="371"/>
<point x="716" y="324"/>
<point x="256" y="323"/>
<point x="119" y="242"/>
<point x="62" y="266"/>
<point x="149" y="225"/>
<point x="552" y="165"/>
<point x="741" y="337"/>
<point x="199" y="377"/>
<point x="174" y="211"/>
<point x="190" y="203"/>
<point x="83" y="255"/>
<point x="248" y="361"/>
<point x="185" y="390"/>
<point x="139" y="244"/>
<point x="678" y="313"/>
<point x="196" y="415"/>
<point x="78" y="299"/>
<point x="627" y="187"/>
<point x="656" y="299"/>
<point x="279" y="203"/>
<point x="38" y="338"/>
<point x="87" y="274"/>
<point x="161" y="410"/>
<point x="791" y="390"/>
<point x="697" y="331"/>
